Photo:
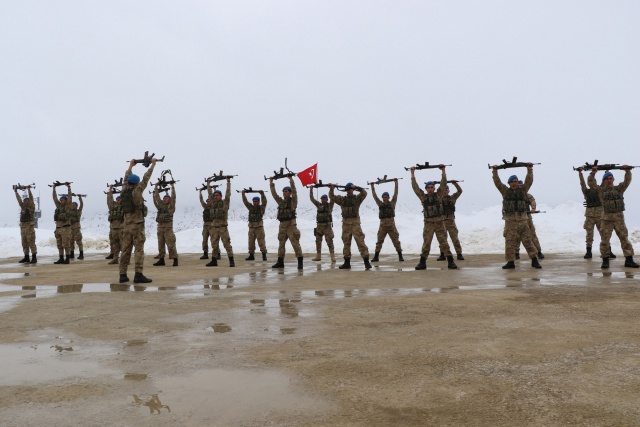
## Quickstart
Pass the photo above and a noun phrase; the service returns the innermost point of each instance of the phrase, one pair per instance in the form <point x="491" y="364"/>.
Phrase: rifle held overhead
<point x="146" y="161"/>
<point x="382" y="180"/>
<point x="19" y="186"/>
<point x="426" y="165"/>
<point x="514" y="163"/>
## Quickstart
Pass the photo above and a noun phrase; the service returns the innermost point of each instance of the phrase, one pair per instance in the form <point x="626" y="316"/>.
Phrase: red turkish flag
<point x="309" y="175"/>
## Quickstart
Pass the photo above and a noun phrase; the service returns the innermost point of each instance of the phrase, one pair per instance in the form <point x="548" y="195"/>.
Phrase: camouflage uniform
<point x="531" y="201"/>
<point x="433" y="224"/>
<point x="287" y="216"/>
<point x="612" y="199"/>
<point x="133" y="234"/>
<point x="449" y="216"/>
<point x="164" y="218"/>
<point x="116" y="224"/>
<point x="387" y="213"/>
<point x="515" y="216"/>
<point x="218" y="230"/>
<point x="62" y="218"/>
<point x="593" y="210"/>
<point x="206" y="223"/>
<point x="76" y="229"/>
<point x="350" y="206"/>
<point x="324" y="225"/>
<point x="27" y="224"/>
<point x="256" y="227"/>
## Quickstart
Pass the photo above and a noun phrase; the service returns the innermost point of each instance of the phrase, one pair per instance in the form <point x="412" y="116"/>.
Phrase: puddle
<point x="153" y="403"/>
<point x="221" y="328"/>
<point x="287" y="331"/>
<point x="135" y="377"/>
<point x="135" y="343"/>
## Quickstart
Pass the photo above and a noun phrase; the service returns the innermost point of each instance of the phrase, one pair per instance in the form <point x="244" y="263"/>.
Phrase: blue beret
<point x="166" y="196"/>
<point x="385" y="194"/>
<point x="512" y="178"/>
<point x="287" y="188"/>
<point x="429" y="183"/>
<point x="324" y="196"/>
<point x="348" y="184"/>
<point x="217" y="192"/>
<point x="118" y="198"/>
<point x="133" y="179"/>
<point x="256" y="199"/>
<point x="447" y="187"/>
<point x="606" y="175"/>
<point x="64" y="196"/>
<point x="520" y="181"/>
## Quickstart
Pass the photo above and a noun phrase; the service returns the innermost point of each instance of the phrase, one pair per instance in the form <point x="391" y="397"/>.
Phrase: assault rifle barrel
<point x="426" y="165"/>
<point x="249" y="190"/>
<point x="58" y="184"/>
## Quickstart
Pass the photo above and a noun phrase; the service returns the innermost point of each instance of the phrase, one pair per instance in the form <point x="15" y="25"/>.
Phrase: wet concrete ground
<point x="255" y="346"/>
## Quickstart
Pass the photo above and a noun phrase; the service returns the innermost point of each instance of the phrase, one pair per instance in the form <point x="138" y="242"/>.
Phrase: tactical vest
<point x="386" y="210"/>
<point x="255" y="213"/>
<point x="448" y="205"/>
<point x="60" y="214"/>
<point x="206" y="215"/>
<point x="163" y="214"/>
<point x="592" y="200"/>
<point x="613" y="200"/>
<point x="515" y="200"/>
<point x="116" y="214"/>
<point x="74" y="217"/>
<point x="431" y="206"/>
<point x="217" y="210"/>
<point x="127" y="205"/>
<point x="25" y="215"/>
<point x="349" y="208"/>
<point x="323" y="216"/>
<point x="285" y="210"/>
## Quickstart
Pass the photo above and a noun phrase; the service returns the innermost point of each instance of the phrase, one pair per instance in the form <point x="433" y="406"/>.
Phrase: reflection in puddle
<point x="135" y="343"/>
<point x="288" y="308"/>
<point x="135" y="377"/>
<point x="287" y="331"/>
<point x="60" y="348"/>
<point x="154" y="403"/>
<point x="221" y="328"/>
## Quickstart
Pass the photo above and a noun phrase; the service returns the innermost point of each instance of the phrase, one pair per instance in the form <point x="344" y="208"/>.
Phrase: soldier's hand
<point x="625" y="167"/>
<point x="441" y="167"/>
<point x="271" y="180"/>
<point x="132" y="163"/>
<point x="413" y="169"/>
<point x="243" y="191"/>
<point x="332" y="186"/>
<point x="530" y="166"/>
<point x="28" y="187"/>
<point x="153" y="161"/>
<point x="261" y="192"/>
<point x="395" y="179"/>
<point x="494" y="167"/>
<point x="372" y="184"/>
<point x="594" y="169"/>
<point x="228" y="179"/>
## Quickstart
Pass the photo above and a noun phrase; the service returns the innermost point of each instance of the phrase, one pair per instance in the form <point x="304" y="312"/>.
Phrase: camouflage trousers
<point x="534" y="237"/>
<point x="115" y="241"/>
<point x="324" y="230"/>
<point x="590" y="223"/>
<point x="206" y="236"/>
<point x="388" y="226"/>
<point x="515" y="232"/>
<point x="257" y="233"/>
<point x="607" y="227"/>
<point x="76" y="237"/>
<point x="166" y="237"/>
<point x="63" y="240"/>
<point x="430" y="228"/>
<point x="289" y="231"/>
<point x="217" y="234"/>
<point x="132" y="237"/>
<point x="452" y="230"/>
<point x="28" y="237"/>
<point x="351" y="229"/>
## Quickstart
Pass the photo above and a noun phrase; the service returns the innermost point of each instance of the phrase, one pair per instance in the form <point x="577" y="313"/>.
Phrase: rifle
<point x="204" y="187"/>
<point x="146" y="161"/>
<point x="23" y="187"/>
<point x="382" y="180"/>
<point x="249" y="190"/>
<point x="58" y="184"/>
<point x="538" y="212"/>
<point x="113" y="192"/>
<point x="78" y="195"/>
<point x="166" y="190"/>
<point x="318" y="184"/>
<point x="513" y="164"/>
<point x="426" y="165"/>
<point x="605" y="167"/>
<point x="344" y="187"/>
<point x="219" y="177"/>
<point x="162" y="181"/>
<point x="115" y="184"/>
<point x="279" y="175"/>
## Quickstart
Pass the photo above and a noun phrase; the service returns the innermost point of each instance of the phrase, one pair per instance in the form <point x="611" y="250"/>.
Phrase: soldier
<point x="433" y="223"/>
<point x="612" y="199"/>
<point x="206" y="225"/>
<point x="593" y="215"/>
<point x="532" y="207"/>
<point x="256" y="228"/>
<point x="76" y="229"/>
<point x="219" y="230"/>
<point x="116" y="224"/>
<point x="350" y="205"/>
<point x="27" y="227"/>
<point x="134" y="213"/>
<point x="288" y="230"/>
<point x="449" y="218"/>
<point x="324" y="225"/>
<point x="514" y="210"/>
<point x="387" y="213"/>
<point x="166" y="208"/>
<point x="62" y="217"/>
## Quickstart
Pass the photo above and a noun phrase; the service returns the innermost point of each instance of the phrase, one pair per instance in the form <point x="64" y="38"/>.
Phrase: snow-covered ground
<point x="559" y="230"/>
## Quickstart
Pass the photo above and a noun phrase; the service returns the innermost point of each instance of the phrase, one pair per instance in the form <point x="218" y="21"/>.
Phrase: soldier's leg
<point x="534" y="236"/>
<point x="112" y="242"/>
<point x="205" y="238"/>
<point x="260" y="237"/>
<point x="226" y="241"/>
<point x="127" y="247"/>
<point x="382" y="233"/>
<point x="452" y="230"/>
<point x="623" y="234"/>
<point x="251" y="236"/>
<point x="441" y="236"/>
<point x="427" y="237"/>
<point x="346" y="240"/>
<point x="395" y="238"/>
<point x="31" y="239"/>
<point x="511" y="240"/>
<point x="294" y="236"/>
<point x="58" y="236"/>
<point x="79" y="240"/>
<point x="358" y="236"/>
<point x="161" y="242"/>
<point x="139" y="238"/>
<point x="606" y="228"/>
<point x="282" y="240"/>
<point x="589" y="225"/>
<point x="526" y="237"/>
<point x="25" y="240"/>
<point x="328" y="237"/>
<point x="66" y="239"/>
<point x="170" y="238"/>
<point x="318" y="234"/>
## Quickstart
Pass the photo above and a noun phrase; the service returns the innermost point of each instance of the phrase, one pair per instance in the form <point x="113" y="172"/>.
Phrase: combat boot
<point x="333" y="257"/>
<point x="422" y="265"/>
<point x="159" y="262"/>
<point x="218" y="255"/>
<point x="535" y="263"/>
<point x="66" y="260"/>
<point x="367" y="264"/>
<point x="400" y="256"/>
<point x="175" y="262"/>
<point x="110" y="256"/>
<point x="251" y="257"/>
<point x="509" y="265"/>
<point x="114" y="261"/>
<point x="629" y="262"/>
<point x="140" y="278"/>
<point x="450" y="264"/>
<point x="611" y="254"/>
<point x="540" y="255"/>
<point x="81" y="256"/>
<point x="205" y="255"/>
<point x="264" y="256"/>
<point x="279" y="263"/>
<point x="459" y="257"/>
<point x="231" y="262"/>
<point x="346" y="265"/>
<point x="318" y="257"/>
<point x="588" y="255"/>
<point x="605" y="263"/>
<point x="25" y="259"/>
<point x="60" y="260"/>
<point x="375" y="257"/>
<point x="441" y="257"/>
<point x="34" y="259"/>
<point x="300" y="262"/>
<point x="71" y="255"/>
<point x="124" y="278"/>
<point x="213" y="262"/>
<point x="518" y="255"/>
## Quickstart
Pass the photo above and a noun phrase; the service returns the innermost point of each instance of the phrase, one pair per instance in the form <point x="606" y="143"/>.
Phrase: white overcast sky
<point x="361" y="87"/>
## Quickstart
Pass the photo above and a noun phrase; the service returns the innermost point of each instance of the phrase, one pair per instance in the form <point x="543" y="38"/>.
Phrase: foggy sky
<point x="363" y="88"/>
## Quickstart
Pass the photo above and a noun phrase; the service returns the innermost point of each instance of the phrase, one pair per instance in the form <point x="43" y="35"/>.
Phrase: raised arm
<point x="502" y="188"/>
<point x="156" y="197"/>
<point x="374" y="195"/>
<point x="313" y="199"/>
<point x="55" y="197"/>
<point x="263" y="199"/>
<point x="80" y="205"/>
<point x="202" y="202"/>
<point x="532" y="202"/>
<point x="294" y="193"/>
<point x="32" y="202"/>
<point x="415" y="186"/>
<point x="443" y="182"/>
<point x="110" y="198"/>
<point x="227" y="193"/>
<point x="173" y="199"/>
<point x="19" y="199"/>
<point x="591" y="180"/>
<point x="458" y="192"/>
<point x="394" y="199"/>
<point x="583" y="185"/>
<point x="245" y="201"/>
